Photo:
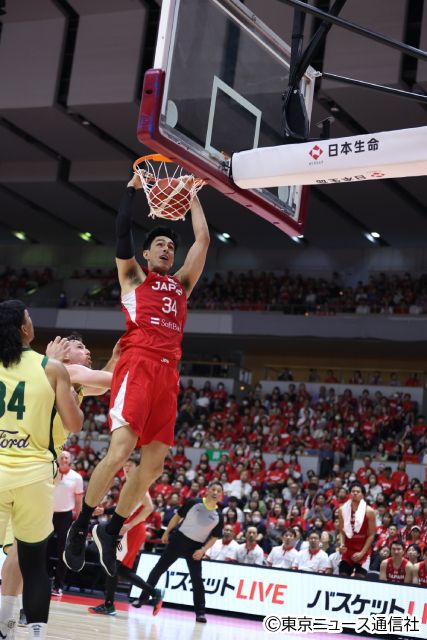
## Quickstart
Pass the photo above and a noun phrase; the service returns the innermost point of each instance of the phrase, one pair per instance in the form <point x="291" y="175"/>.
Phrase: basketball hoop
<point x="169" y="195"/>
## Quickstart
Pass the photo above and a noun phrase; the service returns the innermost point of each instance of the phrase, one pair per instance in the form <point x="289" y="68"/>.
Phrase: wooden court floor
<point x="70" y="620"/>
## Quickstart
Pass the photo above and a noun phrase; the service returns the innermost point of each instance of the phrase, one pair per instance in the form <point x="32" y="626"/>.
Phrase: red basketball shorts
<point x="144" y="395"/>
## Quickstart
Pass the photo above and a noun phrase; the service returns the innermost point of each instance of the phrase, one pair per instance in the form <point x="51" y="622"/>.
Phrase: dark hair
<point x="358" y="484"/>
<point x="215" y="483"/>
<point x="11" y="320"/>
<point x="160" y="231"/>
<point x="74" y="337"/>
<point x="399" y="542"/>
<point x="290" y="531"/>
<point x="416" y="547"/>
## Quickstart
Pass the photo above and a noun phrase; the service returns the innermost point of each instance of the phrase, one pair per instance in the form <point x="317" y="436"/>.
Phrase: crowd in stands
<point x="276" y="505"/>
<point x="396" y="294"/>
<point x="399" y="294"/>
<point x="15" y="283"/>
<point x="371" y="378"/>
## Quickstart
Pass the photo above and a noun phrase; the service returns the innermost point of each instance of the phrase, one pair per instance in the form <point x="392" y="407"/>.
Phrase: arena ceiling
<point x="70" y="78"/>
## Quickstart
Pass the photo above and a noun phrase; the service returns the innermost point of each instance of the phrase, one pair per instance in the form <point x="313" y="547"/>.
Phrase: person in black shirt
<point x="193" y="530"/>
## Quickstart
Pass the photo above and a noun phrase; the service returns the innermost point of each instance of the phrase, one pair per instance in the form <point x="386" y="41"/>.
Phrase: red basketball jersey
<point x="155" y="312"/>
<point x="357" y="542"/>
<point x="422" y="574"/>
<point x="397" y="576"/>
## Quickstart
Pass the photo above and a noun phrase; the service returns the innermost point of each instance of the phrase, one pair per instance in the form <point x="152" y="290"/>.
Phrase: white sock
<point x="8" y="604"/>
<point x="37" y="630"/>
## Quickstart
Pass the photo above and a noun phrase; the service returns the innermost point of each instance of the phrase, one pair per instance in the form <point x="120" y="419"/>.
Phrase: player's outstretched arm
<point x="194" y="263"/>
<point x="65" y="402"/>
<point x="129" y="271"/>
<point x="93" y="381"/>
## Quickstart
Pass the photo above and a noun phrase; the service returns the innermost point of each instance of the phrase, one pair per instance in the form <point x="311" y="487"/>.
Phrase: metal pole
<point x="297" y="42"/>
<point x="317" y="40"/>
<point x="418" y="97"/>
<point x="367" y="33"/>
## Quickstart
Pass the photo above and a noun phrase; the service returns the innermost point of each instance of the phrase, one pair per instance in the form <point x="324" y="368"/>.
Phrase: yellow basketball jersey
<point x="60" y="433"/>
<point x="27" y="403"/>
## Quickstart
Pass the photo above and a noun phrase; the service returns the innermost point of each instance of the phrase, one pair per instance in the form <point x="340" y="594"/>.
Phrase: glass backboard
<point x="216" y="89"/>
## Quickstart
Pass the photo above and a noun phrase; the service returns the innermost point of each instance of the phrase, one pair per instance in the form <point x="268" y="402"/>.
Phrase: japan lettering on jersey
<point x="155" y="312"/>
<point x="397" y="576"/>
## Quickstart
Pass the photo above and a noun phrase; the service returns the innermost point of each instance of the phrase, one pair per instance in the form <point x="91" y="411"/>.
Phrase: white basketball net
<point x="169" y="196"/>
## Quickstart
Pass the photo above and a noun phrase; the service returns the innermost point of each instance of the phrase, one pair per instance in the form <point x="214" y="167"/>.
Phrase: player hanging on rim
<point x="145" y="382"/>
<point x="357" y="531"/>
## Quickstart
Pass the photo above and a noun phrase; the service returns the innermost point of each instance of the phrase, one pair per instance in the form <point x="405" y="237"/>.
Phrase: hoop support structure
<point x="150" y="135"/>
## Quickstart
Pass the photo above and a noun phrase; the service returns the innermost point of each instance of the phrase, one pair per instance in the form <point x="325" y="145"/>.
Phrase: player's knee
<point x="116" y="457"/>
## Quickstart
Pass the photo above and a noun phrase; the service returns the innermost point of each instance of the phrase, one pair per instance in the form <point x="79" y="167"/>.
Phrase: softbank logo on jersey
<point x="167" y="324"/>
<point x="6" y="442"/>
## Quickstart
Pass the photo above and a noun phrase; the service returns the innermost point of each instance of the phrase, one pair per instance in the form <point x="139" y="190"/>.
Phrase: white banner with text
<point x="263" y="591"/>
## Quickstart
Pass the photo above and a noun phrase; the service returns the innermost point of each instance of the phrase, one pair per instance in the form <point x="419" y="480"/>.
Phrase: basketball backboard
<point x="216" y="88"/>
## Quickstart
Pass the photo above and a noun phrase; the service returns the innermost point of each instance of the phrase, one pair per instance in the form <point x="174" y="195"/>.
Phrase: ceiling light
<point x="334" y="109"/>
<point x="221" y="237"/>
<point x="300" y="237"/>
<point x="375" y="234"/>
<point x="369" y="237"/>
<point x="85" y="123"/>
<point x="226" y="235"/>
<point x="20" y="235"/>
<point x="86" y="236"/>
<point x="296" y="239"/>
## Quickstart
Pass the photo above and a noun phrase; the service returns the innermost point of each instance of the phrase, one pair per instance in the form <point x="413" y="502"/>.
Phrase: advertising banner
<point x="263" y="591"/>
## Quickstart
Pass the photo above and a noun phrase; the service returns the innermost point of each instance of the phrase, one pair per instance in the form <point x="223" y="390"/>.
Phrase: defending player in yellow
<point x="32" y="389"/>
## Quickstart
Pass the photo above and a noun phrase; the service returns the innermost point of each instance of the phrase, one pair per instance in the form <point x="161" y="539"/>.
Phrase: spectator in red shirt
<point x="413" y="381"/>
<point x="277" y="511"/>
<point x="192" y="491"/>
<point x="384" y="479"/>
<point x="386" y="521"/>
<point x="307" y="440"/>
<point x="409" y="454"/>
<point x="388" y="538"/>
<point x="363" y="473"/>
<point x="295" y="519"/>
<point x="163" y="487"/>
<point x="73" y="447"/>
<point x="414" y="494"/>
<point x="277" y="475"/>
<point x="337" y="500"/>
<point x="258" y="475"/>
<point x="399" y="478"/>
<point x="179" y="458"/>
<point x="230" y="517"/>
<point x="330" y="377"/>
<point x="420" y="427"/>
